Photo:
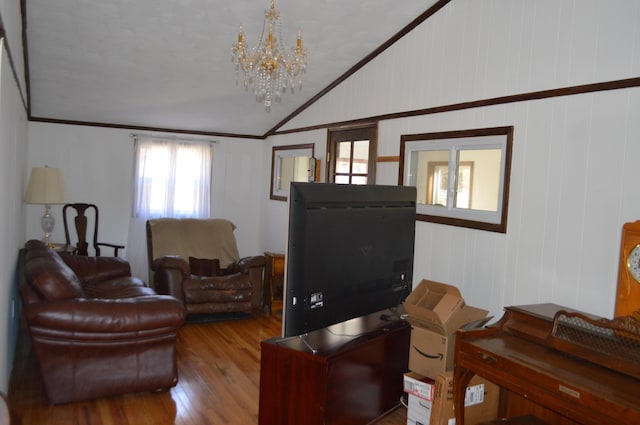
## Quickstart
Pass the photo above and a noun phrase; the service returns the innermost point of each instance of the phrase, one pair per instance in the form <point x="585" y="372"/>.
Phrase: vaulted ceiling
<point x="165" y="64"/>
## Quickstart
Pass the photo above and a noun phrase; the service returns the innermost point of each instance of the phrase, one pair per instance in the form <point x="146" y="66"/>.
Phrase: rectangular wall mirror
<point x="288" y="164"/>
<point x="462" y="177"/>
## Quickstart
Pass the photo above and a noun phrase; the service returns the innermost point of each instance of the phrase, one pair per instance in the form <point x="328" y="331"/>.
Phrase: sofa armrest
<point x="92" y="319"/>
<point x="255" y="267"/>
<point x="172" y="262"/>
<point x="169" y="274"/>
<point x="243" y="265"/>
<point x="246" y="263"/>
<point x="96" y="269"/>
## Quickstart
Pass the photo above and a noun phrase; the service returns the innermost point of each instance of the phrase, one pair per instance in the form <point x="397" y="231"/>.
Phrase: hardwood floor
<point x="219" y="369"/>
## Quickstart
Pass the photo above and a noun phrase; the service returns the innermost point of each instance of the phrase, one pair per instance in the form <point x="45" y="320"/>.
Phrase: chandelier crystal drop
<point x="269" y="66"/>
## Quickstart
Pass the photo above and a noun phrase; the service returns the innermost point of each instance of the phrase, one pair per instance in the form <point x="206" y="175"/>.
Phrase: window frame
<point x="335" y="136"/>
<point x="454" y="142"/>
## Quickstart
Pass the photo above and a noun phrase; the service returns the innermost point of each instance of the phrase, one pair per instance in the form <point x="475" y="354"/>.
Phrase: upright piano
<point x="563" y="366"/>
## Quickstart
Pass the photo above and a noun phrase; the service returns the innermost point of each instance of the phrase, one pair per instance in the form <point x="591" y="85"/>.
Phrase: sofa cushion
<point x="234" y="288"/>
<point x="204" y="266"/>
<point x="124" y="287"/>
<point x="51" y="278"/>
<point x="96" y="269"/>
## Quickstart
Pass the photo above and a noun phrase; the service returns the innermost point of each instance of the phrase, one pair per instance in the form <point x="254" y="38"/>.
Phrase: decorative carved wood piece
<point x="614" y="344"/>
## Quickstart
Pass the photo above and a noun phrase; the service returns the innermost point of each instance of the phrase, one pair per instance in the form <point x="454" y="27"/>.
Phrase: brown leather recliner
<point x="197" y="261"/>
<point x="96" y="330"/>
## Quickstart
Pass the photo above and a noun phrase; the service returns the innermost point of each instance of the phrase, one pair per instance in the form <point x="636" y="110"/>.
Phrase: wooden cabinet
<point x="354" y="376"/>
<point x="274" y="281"/>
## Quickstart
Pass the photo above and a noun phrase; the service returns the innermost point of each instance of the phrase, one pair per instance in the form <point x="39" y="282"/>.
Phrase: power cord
<point x="404" y="402"/>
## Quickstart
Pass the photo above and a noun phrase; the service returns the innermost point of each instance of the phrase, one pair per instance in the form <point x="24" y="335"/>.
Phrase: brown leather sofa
<point x="197" y="261"/>
<point x="96" y="331"/>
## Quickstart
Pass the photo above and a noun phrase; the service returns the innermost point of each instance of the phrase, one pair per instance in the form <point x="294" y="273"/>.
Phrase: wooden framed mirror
<point x="291" y="163"/>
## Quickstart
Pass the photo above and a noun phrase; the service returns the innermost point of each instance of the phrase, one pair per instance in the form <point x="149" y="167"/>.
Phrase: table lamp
<point x="45" y="188"/>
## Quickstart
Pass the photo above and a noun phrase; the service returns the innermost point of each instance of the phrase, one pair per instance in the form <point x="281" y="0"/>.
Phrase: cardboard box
<point x="481" y="401"/>
<point x="436" y="311"/>
<point x="419" y="411"/>
<point x="520" y="420"/>
<point x="439" y="307"/>
<point x="430" y="353"/>
<point x="419" y="386"/>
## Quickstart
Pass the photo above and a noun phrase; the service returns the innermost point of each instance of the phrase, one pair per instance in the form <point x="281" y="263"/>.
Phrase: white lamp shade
<point x="45" y="186"/>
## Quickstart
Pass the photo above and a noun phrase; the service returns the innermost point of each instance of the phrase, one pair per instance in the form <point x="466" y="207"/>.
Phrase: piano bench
<point x="520" y="420"/>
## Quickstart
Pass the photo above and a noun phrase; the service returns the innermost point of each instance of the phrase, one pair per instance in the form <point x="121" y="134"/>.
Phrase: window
<point x="172" y="178"/>
<point x="351" y="155"/>
<point x="438" y="184"/>
<point x="462" y="177"/>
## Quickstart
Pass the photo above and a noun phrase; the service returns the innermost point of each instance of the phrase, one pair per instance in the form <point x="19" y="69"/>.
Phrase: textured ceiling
<point x="165" y="64"/>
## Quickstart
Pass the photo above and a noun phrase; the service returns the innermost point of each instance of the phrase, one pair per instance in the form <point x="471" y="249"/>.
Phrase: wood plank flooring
<point x="219" y="370"/>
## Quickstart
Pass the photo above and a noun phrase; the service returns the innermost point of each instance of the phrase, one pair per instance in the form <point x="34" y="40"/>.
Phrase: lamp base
<point x="47" y="221"/>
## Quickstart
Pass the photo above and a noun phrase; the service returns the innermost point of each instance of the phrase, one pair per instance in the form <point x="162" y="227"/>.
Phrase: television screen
<point x="349" y="252"/>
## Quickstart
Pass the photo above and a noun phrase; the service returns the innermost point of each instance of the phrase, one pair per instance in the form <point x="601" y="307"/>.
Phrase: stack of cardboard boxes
<point x="436" y="311"/>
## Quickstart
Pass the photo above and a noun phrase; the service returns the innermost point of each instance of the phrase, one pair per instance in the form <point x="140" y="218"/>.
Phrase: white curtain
<point x="172" y="178"/>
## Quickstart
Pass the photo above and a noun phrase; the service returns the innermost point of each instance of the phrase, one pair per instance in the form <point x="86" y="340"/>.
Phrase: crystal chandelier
<point x="269" y="66"/>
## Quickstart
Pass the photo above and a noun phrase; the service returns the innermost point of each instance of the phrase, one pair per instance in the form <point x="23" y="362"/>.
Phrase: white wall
<point x="13" y="137"/>
<point x="97" y="167"/>
<point x="274" y="213"/>
<point x="479" y="49"/>
<point x="574" y="160"/>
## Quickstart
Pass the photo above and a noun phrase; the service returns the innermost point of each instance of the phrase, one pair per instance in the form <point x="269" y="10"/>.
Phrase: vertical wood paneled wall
<point x="574" y="172"/>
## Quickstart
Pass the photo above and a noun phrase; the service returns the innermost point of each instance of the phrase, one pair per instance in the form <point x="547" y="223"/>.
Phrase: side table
<point x="274" y="280"/>
<point x="62" y="248"/>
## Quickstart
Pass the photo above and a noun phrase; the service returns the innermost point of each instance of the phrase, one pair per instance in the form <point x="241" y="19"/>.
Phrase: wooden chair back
<point x="81" y="223"/>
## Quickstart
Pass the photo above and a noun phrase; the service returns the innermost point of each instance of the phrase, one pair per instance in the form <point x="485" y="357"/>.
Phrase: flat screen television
<point x="349" y="252"/>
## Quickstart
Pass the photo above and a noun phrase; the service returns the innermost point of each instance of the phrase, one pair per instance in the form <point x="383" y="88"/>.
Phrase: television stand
<point x="354" y="376"/>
